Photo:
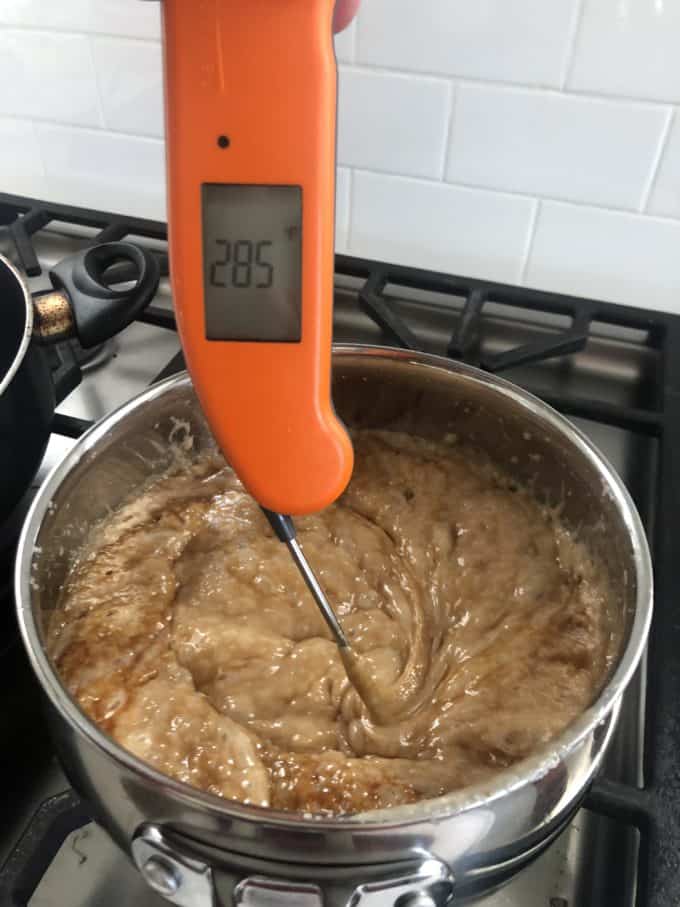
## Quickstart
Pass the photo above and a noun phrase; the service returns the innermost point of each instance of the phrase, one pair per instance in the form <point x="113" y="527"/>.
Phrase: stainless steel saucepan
<point x="200" y="851"/>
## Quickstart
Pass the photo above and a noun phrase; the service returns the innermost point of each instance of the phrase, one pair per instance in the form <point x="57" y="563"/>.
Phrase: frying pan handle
<point x="86" y="301"/>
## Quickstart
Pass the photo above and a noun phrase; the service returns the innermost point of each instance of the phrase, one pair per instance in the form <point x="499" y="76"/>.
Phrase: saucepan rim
<point x="505" y="782"/>
<point x="27" y="333"/>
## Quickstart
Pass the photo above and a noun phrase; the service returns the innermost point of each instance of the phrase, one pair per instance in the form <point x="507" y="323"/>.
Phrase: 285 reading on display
<point x="252" y="262"/>
<point x="241" y="262"/>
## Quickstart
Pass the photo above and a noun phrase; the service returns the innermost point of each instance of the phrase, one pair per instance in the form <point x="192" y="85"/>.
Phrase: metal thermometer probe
<point x="250" y="106"/>
<point x="284" y="528"/>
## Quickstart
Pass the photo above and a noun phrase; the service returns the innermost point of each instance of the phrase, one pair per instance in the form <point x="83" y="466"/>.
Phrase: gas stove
<point x="615" y="371"/>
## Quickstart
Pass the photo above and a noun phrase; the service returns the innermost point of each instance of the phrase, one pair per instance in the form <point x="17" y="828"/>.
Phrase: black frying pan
<point x="85" y="303"/>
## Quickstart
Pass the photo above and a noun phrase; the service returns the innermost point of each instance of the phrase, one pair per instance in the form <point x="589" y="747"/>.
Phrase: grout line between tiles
<point x="570" y="55"/>
<point x="531" y="233"/>
<point x="399" y="74"/>
<point x="510" y="193"/>
<point x="448" y="133"/>
<point x="544" y="88"/>
<point x="352" y="171"/>
<point x="656" y="162"/>
<point x="97" y="85"/>
<point x="74" y="33"/>
<point x="80" y="127"/>
<point x="367" y="65"/>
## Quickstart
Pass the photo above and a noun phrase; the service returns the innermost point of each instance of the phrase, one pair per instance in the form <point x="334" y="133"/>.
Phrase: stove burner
<point x="548" y="334"/>
<point x="465" y="339"/>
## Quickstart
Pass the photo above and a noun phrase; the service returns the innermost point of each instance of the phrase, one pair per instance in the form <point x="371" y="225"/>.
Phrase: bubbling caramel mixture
<point x="482" y="629"/>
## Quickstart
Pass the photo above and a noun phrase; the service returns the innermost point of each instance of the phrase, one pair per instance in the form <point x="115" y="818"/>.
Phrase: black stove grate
<point x="653" y="809"/>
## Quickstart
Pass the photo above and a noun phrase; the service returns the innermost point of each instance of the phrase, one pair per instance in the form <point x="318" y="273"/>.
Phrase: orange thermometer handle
<point x="250" y="93"/>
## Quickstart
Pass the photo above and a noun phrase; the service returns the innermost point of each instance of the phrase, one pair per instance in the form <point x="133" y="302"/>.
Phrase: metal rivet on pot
<point x="162" y="876"/>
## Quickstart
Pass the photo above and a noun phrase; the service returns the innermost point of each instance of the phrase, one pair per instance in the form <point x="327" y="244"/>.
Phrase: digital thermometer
<point x="250" y="129"/>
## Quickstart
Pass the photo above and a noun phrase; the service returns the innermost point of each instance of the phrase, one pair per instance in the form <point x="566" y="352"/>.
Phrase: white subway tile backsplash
<point x="629" y="47"/>
<point x="21" y="169"/>
<point x="130" y="80"/>
<point x="392" y="122"/>
<point x="665" y="197"/>
<point x="552" y="145"/>
<point x="48" y="76"/>
<point x="609" y="255"/>
<point x="113" y="17"/>
<point x="102" y="170"/>
<point x="458" y="121"/>
<point x="342" y="185"/>
<point x="431" y="225"/>
<point x="521" y="41"/>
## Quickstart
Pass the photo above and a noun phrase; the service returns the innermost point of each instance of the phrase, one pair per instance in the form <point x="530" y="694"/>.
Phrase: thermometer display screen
<point x="252" y="262"/>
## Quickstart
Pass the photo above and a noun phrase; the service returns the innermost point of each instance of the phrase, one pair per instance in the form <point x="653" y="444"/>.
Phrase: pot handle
<point x="85" y="303"/>
<point x="181" y="874"/>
